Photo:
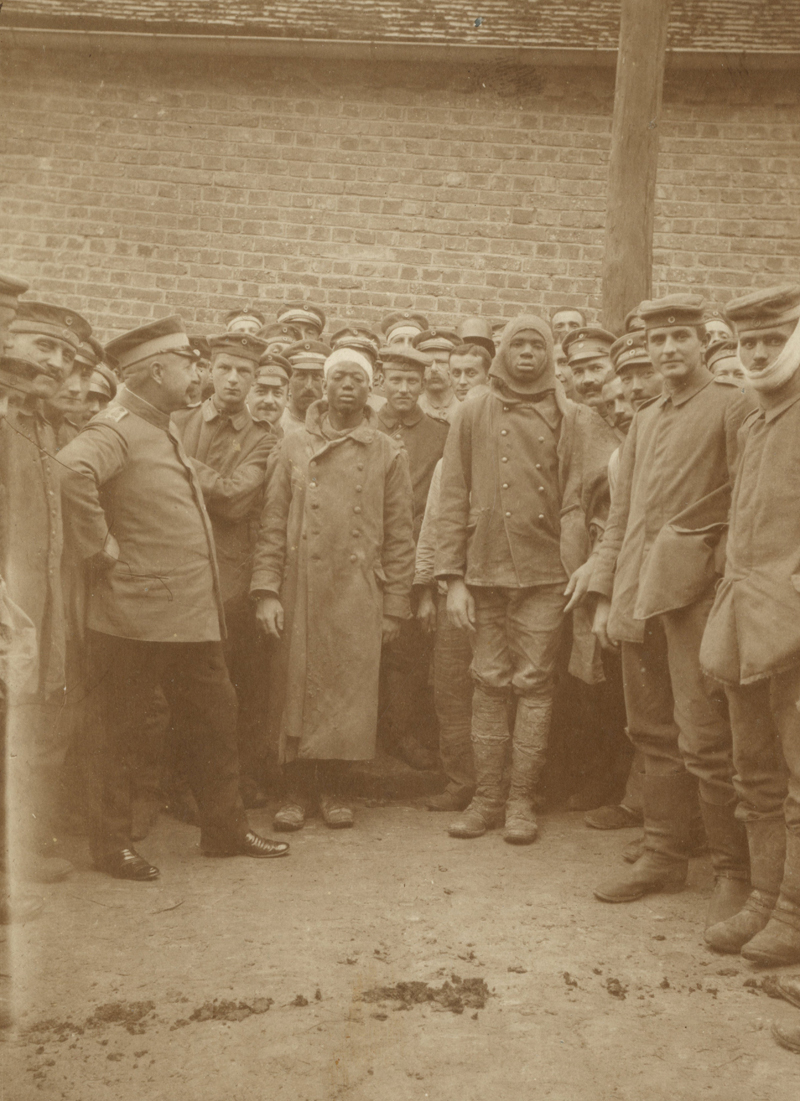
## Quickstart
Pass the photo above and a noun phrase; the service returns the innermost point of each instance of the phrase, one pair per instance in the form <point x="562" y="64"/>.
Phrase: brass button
<point x="353" y="557"/>
<point x="541" y="439"/>
<point x="503" y="458"/>
<point x="541" y="517"/>
<point x="508" y="514"/>
<point x="359" y="489"/>
<point x="356" y="532"/>
<point x="503" y="431"/>
<point x="357" y="508"/>
<point x="538" y="466"/>
<point x="541" y="489"/>
<point x="505" y="485"/>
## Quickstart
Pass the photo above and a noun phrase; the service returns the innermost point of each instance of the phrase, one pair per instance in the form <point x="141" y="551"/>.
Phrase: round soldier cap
<point x="165" y="335"/>
<point x="357" y="335"/>
<point x="307" y="355"/>
<point x="90" y="353"/>
<point x="10" y="290"/>
<point x="237" y="344"/>
<point x="588" y="343"/>
<point x="277" y="333"/>
<point x="244" y="314"/>
<point x="56" y="321"/>
<point x="765" y="308"/>
<point x="103" y="382"/>
<point x="436" y="340"/>
<point x="629" y="348"/>
<point x="723" y="349"/>
<point x="199" y="345"/>
<point x="477" y="330"/>
<point x="403" y="323"/>
<point x="714" y="313"/>
<point x="395" y="355"/>
<point x="301" y="313"/>
<point x="672" y="311"/>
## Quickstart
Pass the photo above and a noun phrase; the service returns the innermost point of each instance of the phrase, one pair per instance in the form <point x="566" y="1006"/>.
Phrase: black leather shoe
<point x="253" y="845"/>
<point x="127" y="864"/>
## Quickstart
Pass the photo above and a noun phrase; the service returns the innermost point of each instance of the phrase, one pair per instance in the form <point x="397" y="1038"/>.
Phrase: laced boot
<point x="664" y="864"/>
<point x="529" y="748"/>
<point x="727" y="842"/>
<point x="490" y="738"/>
<point x="778" y="943"/>
<point x="298" y="779"/>
<point x="766" y="840"/>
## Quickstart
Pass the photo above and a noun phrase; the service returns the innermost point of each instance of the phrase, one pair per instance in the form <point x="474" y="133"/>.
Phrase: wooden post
<point x="628" y="254"/>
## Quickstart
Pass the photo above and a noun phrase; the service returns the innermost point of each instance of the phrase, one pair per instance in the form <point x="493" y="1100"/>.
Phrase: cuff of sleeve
<point x="397" y="606"/>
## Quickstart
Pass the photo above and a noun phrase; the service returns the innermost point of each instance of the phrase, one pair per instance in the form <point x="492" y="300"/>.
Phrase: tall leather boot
<point x="778" y="943"/>
<point x="664" y="864"/>
<point x="528" y="752"/>
<point x="766" y="840"/>
<point x="490" y="738"/>
<point x="727" y="842"/>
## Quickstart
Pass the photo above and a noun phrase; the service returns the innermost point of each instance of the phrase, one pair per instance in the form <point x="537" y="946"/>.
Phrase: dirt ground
<point x="244" y="980"/>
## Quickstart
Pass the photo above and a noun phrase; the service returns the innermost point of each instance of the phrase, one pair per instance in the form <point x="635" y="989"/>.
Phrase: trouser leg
<point x="452" y="687"/>
<point x="246" y="658"/>
<point x="407" y="716"/>
<point x="203" y="704"/>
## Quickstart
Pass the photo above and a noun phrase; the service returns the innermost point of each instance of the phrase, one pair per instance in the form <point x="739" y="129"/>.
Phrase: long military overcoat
<point x="336" y="545"/>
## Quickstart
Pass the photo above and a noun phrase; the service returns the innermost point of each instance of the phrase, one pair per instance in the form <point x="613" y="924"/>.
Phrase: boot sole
<point x="519" y="839"/>
<point x="667" y="889"/>
<point x="764" y="959"/>
<point x="464" y="836"/>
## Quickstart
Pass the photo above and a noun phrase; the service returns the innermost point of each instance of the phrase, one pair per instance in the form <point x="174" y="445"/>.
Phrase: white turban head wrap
<point x="348" y="355"/>
<point x="782" y="368"/>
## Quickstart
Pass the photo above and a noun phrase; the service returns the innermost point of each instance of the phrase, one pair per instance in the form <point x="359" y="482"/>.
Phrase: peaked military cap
<point x="90" y="353"/>
<point x="477" y="330"/>
<point x="243" y="314"/>
<point x="436" y="340"/>
<point x="673" y="310"/>
<point x="240" y="344"/>
<point x="307" y="355"/>
<point x="10" y="290"/>
<point x="723" y="349"/>
<point x="199" y="344"/>
<point x="765" y="308"/>
<point x="57" y="321"/>
<point x="359" y="336"/>
<point x="587" y="343"/>
<point x="278" y="333"/>
<point x="633" y="321"/>
<point x="398" y="356"/>
<point x="301" y="313"/>
<point x="406" y="320"/>
<point x="165" y="335"/>
<point x="103" y="382"/>
<point x="274" y="366"/>
<point x="629" y="348"/>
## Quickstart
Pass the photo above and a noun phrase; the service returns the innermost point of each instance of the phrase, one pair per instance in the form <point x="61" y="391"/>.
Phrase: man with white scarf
<point x="752" y="639"/>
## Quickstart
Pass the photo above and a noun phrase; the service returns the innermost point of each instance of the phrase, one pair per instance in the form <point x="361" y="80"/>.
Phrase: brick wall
<point x="132" y="188"/>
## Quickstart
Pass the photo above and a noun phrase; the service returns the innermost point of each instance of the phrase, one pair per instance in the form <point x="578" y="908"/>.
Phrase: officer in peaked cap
<point x="128" y="471"/>
<point x="307" y="359"/>
<point x="307" y="318"/>
<point x="588" y="353"/>
<point x="477" y="330"/>
<point x="655" y="578"/>
<point x="722" y="360"/>
<point x="278" y="337"/>
<point x="230" y="450"/>
<point x="633" y="367"/>
<point x="244" y="320"/>
<point x="267" y="399"/>
<point x="43" y="340"/>
<point x="402" y="326"/>
<point x="439" y="399"/>
<point x="102" y="388"/>
<point x="718" y="326"/>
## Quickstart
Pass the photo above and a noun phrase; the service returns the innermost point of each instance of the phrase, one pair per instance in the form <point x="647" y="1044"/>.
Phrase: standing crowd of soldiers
<point x="256" y="553"/>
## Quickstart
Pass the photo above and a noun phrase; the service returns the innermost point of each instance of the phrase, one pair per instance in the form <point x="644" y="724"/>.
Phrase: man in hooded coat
<point x="524" y="478"/>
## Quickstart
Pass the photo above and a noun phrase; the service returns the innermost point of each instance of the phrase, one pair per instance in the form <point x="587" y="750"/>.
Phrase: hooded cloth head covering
<point x="499" y="369"/>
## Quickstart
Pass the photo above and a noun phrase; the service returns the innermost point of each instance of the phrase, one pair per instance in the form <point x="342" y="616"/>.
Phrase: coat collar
<point x="239" y="420"/>
<point x="391" y="419"/>
<point x="364" y="433"/>
<point x="772" y="412"/>
<point x="134" y="404"/>
<point x="700" y="381"/>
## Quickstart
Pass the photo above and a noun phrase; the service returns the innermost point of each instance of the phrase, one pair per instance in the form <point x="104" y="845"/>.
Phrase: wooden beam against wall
<point x="628" y="254"/>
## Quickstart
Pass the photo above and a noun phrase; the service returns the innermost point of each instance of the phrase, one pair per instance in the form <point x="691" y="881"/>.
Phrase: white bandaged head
<point x="348" y="355"/>
<point x="782" y="368"/>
